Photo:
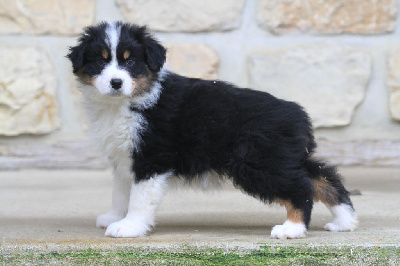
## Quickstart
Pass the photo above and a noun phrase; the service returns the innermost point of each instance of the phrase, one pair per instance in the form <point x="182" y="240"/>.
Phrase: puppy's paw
<point x="344" y="219"/>
<point x="337" y="226"/>
<point x="128" y="227"/>
<point x="332" y="227"/>
<point x="104" y="220"/>
<point x="289" y="230"/>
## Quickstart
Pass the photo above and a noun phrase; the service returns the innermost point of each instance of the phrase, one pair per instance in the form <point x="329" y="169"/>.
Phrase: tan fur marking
<point x="85" y="79"/>
<point x="104" y="54"/>
<point x="126" y="54"/>
<point x="293" y="215"/>
<point x="324" y="192"/>
<point x="141" y="84"/>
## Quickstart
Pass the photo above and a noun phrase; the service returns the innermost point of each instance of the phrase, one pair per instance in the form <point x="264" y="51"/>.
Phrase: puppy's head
<point x="117" y="59"/>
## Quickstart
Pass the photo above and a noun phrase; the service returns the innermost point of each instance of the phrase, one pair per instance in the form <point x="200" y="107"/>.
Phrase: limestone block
<point x="394" y="83"/>
<point x="62" y="155"/>
<point x="45" y="16"/>
<point x="183" y="15"/>
<point x="360" y="152"/>
<point x="27" y="92"/>
<point x="327" y="16"/>
<point x="193" y="60"/>
<point x="329" y="81"/>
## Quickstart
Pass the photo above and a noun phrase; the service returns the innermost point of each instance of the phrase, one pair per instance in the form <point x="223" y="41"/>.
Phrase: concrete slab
<point x="59" y="208"/>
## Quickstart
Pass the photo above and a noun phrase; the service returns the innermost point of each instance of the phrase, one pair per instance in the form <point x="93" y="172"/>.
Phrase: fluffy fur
<point x="155" y="125"/>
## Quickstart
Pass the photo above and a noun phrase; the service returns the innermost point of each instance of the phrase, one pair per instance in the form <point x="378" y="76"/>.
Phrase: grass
<point x="264" y="255"/>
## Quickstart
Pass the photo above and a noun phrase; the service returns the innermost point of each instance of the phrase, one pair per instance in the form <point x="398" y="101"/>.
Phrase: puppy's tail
<point x="327" y="183"/>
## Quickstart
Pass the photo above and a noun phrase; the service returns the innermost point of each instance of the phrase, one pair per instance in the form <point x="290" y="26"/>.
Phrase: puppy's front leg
<point x="145" y="196"/>
<point x="122" y="183"/>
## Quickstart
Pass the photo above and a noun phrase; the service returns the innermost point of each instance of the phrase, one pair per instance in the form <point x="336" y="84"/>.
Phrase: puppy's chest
<point x="116" y="130"/>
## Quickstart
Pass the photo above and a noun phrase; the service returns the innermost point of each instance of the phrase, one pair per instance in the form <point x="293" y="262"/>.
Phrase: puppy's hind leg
<point x="294" y="226"/>
<point x="295" y="193"/>
<point x="144" y="199"/>
<point x="328" y="188"/>
<point x="298" y="200"/>
<point x="344" y="218"/>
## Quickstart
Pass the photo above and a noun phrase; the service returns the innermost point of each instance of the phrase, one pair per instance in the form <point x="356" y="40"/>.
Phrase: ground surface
<point x="46" y="214"/>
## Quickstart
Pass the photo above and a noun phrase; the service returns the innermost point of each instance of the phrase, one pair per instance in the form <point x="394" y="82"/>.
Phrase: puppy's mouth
<point x="115" y="93"/>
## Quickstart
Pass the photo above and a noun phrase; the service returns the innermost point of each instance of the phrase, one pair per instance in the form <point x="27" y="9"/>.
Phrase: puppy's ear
<point x="76" y="53"/>
<point x="76" y="56"/>
<point x="155" y="53"/>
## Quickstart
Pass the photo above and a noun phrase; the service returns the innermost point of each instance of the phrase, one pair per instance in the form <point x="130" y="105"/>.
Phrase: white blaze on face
<point x="112" y="70"/>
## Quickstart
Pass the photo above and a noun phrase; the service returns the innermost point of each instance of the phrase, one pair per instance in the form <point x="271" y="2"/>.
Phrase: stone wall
<point x="340" y="59"/>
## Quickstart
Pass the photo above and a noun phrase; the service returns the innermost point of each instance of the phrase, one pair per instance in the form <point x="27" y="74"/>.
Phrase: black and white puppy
<point x="155" y="125"/>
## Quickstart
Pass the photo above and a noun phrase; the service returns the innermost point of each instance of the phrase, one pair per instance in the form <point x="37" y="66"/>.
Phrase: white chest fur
<point x="114" y="128"/>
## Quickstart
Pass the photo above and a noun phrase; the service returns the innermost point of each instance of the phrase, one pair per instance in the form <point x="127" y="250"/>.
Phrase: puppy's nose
<point x="116" y="83"/>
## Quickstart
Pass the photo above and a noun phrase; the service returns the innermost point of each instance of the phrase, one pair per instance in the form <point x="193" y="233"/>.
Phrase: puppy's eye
<point x="130" y="61"/>
<point x="101" y="62"/>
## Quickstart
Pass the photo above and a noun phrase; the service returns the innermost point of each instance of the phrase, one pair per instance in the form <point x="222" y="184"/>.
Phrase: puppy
<point x="155" y="125"/>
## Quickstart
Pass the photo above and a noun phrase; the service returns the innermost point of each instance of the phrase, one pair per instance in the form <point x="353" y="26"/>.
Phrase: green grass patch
<point x="264" y="255"/>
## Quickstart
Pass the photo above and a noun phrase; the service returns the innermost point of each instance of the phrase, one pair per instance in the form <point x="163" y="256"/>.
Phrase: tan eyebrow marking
<point x="104" y="54"/>
<point x="126" y="54"/>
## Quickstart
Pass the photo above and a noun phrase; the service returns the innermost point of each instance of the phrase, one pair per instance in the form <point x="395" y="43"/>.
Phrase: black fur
<point x="262" y="143"/>
<point x="144" y="49"/>
<point x="86" y="55"/>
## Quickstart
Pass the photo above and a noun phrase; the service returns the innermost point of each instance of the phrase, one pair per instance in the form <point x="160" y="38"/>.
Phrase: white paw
<point x="332" y="227"/>
<point x="339" y="226"/>
<point x="104" y="220"/>
<point x="289" y="230"/>
<point x="344" y="219"/>
<point x="128" y="227"/>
